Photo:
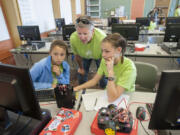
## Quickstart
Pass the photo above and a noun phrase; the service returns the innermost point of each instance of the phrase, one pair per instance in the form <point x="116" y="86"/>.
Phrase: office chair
<point x="147" y="76"/>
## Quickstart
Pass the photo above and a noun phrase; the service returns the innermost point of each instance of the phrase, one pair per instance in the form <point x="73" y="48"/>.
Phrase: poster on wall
<point x="4" y="35"/>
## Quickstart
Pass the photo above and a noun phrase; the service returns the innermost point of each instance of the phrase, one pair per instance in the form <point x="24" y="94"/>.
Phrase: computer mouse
<point x="140" y="113"/>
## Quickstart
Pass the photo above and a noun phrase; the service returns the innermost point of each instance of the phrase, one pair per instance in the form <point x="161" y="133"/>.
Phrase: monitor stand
<point x="22" y="125"/>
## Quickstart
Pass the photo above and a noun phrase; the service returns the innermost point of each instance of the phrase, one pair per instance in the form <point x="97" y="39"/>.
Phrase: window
<point x="78" y="7"/>
<point x="4" y="35"/>
<point x="37" y="12"/>
<point x="66" y="11"/>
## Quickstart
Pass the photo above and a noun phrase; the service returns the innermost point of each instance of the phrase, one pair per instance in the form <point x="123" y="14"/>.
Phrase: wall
<point x="148" y="6"/>
<point x="107" y="6"/>
<point x="173" y="5"/>
<point x="137" y="8"/>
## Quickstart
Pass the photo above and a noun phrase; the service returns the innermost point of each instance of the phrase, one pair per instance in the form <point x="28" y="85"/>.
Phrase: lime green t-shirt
<point x="55" y="80"/>
<point x="91" y="50"/>
<point x="152" y="25"/>
<point x="177" y="12"/>
<point x="124" y="73"/>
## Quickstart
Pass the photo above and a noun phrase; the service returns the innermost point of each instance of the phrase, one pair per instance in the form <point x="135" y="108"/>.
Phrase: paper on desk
<point x="90" y="102"/>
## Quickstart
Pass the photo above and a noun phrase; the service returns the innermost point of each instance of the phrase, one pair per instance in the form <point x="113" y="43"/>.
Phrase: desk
<point x="152" y="54"/>
<point x="88" y="117"/>
<point x="155" y="55"/>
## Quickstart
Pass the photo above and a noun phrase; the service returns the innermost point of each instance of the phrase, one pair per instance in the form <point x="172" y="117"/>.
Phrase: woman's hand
<point x="56" y="70"/>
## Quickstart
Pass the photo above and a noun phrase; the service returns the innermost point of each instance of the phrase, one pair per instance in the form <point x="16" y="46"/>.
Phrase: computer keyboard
<point x="45" y="95"/>
<point x="166" y="49"/>
<point x="149" y="107"/>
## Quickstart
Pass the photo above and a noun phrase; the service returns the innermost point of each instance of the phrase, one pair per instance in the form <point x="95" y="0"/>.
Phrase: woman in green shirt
<point x="119" y="70"/>
<point x="177" y="11"/>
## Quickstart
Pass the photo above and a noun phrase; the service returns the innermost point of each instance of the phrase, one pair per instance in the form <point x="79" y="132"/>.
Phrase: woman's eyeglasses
<point x="84" y="21"/>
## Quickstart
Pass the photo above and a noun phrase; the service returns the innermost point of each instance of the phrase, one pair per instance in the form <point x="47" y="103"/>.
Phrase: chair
<point x="147" y="76"/>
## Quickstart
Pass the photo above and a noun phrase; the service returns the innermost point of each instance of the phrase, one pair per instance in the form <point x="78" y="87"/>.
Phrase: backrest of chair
<point x="146" y="74"/>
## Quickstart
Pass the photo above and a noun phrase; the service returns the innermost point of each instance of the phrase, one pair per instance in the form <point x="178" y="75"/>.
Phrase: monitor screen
<point x="128" y="31"/>
<point x="59" y="23"/>
<point x="166" y="109"/>
<point x="29" y="33"/>
<point x="67" y="31"/>
<point x="143" y="21"/>
<point x="172" y="20"/>
<point x="17" y="91"/>
<point x="112" y="20"/>
<point x="172" y="32"/>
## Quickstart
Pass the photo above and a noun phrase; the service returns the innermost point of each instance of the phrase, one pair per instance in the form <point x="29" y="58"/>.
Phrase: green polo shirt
<point x="124" y="73"/>
<point x="91" y="50"/>
<point x="177" y="12"/>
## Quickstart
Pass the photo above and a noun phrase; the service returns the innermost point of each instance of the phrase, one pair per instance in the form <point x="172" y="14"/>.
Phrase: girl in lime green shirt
<point x="119" y="70"/>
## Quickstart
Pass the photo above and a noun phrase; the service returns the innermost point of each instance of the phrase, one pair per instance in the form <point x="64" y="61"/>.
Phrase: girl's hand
<point x="56" y="70"/>
<point x="110" y="64"/>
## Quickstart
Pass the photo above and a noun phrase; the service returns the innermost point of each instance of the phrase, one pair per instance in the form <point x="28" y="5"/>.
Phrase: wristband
<point x="110" y="78"/>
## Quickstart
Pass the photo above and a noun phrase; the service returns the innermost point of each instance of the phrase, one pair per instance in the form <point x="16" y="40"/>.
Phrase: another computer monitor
<point x="67" y="31"/>
<point x="29" y="33"/>
<point x="166" y="109"/>
<point x="172" y="32"/>
<point x="112" y="20"/>
<point x="172" y="20"/>
<point x="129" y="31"/>
<point x="143" y="21"/>
<point x="59" y="23"/>
<point x="17" y="91"/>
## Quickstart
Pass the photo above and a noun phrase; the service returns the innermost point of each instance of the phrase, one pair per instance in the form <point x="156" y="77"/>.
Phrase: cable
<point x="26" y="124"/>
<point x="16" y="122"/>
<point x="144" y="128"/>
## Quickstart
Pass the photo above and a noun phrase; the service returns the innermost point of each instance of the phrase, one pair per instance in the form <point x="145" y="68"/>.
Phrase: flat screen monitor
<point x="143" y="21"/>
<point x="29" y="33"/>
<point x="172" y="20"/>
<point x="59" y="23"/>
<point x="166" y="109"/>
<point x="112" y="20"/>
<point x="172" y="32"/>
<point x="67" y="31"/>
<point x="128" y="31"/>
<point x="17" y="91"/>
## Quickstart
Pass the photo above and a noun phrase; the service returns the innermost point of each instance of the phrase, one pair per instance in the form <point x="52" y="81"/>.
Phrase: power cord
<point x="144" y="128"/>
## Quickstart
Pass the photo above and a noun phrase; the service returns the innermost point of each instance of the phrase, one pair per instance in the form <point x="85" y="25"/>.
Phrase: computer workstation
<point x="166" y="109"/>
<point x="165" y="99"/>
<point x="20" y="112"/>
<point x="171" y="42"/>
<point x="31" y="37"/>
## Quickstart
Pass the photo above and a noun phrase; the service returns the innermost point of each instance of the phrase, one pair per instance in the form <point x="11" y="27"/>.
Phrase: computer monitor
<point x="172" y="32"/>
<point x="143" y="21"/>
<point x="128" y="31"/>
<point x="112" y="20"/>
<point x="67" y="31"/>
<point x="17" y="93"/>
<point x="59" y="23"/>
<point x="29" y="33"/>
<point x="172" y="20"/>
<point x="166" y="109"/>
